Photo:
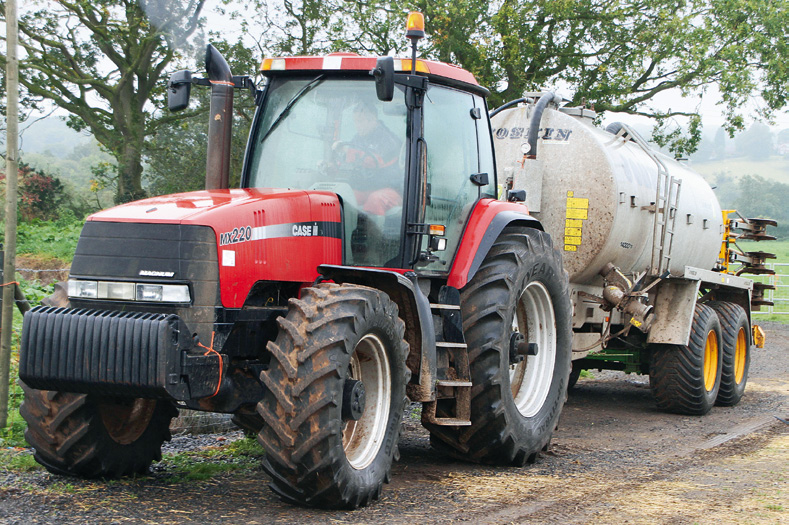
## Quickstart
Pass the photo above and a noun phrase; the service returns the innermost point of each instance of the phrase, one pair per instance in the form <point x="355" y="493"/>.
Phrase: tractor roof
<point x="353" y="62"/>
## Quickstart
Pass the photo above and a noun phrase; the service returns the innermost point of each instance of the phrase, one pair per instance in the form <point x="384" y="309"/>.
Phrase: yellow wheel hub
<point x="711" y="360"/>
<point x="740" y="356"/>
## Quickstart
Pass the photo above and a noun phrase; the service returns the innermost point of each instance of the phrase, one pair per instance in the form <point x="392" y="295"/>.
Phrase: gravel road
<point x="614" y="458"/>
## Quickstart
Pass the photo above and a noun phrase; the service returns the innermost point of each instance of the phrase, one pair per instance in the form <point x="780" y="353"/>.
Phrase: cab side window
<point x="453" y="155"/>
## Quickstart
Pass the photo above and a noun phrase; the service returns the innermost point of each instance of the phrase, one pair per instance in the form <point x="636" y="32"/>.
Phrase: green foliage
<point x="244" y="453"/>
<point x="54" y="238"/>
<point x="176" y="154"/>
<point x="613" y="56"/>
<point x="19" y="461"/>
<point x="103" y="62"/>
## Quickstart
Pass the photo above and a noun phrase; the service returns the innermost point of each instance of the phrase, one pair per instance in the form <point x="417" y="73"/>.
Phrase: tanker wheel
<point x="79" y="435"/>
<point x="736" y="348"/>
<point x="575" y="375"/>
<point x="248" y="421"/>
<point x="685" y="379"/>
<point x="521" y="288"/>
<point x="335" y="397"/>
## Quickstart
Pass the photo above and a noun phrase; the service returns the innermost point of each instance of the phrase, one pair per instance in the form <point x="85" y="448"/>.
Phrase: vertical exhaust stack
<point x="217" y="173"/>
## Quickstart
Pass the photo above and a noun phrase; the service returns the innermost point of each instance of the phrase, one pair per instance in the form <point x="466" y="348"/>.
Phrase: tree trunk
<point x="129" y="173"/>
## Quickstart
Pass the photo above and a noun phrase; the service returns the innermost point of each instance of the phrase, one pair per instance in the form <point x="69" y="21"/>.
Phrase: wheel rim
<point x="125" y="422"/>
<point x="710" y="360"/>
<point x="531" y="379"/>
<point x="740" y="356"/>
<point x="362" y="439"/>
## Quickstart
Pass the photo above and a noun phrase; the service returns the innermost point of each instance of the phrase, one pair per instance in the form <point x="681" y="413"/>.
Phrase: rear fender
<point x="485" y="224"/>
<point x="414" y="309"/>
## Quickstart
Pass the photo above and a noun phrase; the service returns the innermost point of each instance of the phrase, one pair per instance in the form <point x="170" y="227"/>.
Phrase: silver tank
<point x="594" y="193"/>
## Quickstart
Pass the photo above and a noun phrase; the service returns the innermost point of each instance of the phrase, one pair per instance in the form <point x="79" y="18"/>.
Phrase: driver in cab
<point x="373" y="152"/>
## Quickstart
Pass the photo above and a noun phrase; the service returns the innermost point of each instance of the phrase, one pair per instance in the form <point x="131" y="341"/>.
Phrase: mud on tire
<point x="512" y="424"/>
<point x="78" y="435"/>
<point x="331" y="338"/>
<point x="685" y="379"/>
<point x="736" y="350"/>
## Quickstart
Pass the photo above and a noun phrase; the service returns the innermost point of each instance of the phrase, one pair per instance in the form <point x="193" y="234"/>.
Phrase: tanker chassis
<point x="366" y="259"/>
<point x="655" y="272"/>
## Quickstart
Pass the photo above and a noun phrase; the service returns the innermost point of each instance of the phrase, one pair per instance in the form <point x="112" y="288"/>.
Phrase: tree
<point x="176" y="154"/>
<point x="103" y="62"/>
<point x="612" y="55"/>
<point x="756" y="143"/>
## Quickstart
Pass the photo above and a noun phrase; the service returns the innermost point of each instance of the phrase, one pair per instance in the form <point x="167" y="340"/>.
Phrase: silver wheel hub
<point x="531" y="379"/>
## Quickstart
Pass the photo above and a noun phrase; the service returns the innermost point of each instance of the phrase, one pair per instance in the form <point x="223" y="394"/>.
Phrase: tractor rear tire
<point x="685" y="379"/>
<point x="520" y="286"/>
<point x="736" y="347"/>
<point x="322" y="450"/>
<point x="79" y="435"/>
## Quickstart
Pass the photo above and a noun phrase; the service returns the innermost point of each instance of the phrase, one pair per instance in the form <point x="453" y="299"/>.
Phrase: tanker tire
<point x="332" y="334"/>
<point x="500" y="433"/>
<point x="680" y="376"/>
<point x="76" y="435"/>
<point x="575" y="375"/>
<point x="735" y="332"/>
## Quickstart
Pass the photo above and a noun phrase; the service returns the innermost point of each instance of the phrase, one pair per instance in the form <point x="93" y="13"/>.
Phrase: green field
<point x="775" y="168"/>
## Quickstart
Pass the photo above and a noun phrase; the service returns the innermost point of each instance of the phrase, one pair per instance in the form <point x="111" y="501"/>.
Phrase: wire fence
<point x="780" y="295"/>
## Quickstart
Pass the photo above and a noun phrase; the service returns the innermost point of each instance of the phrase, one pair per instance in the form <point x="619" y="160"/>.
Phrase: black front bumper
<point x="114" y="353"/>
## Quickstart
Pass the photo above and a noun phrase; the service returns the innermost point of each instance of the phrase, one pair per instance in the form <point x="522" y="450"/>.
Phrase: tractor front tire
<point x="685" y="379"/>
<point x="521" y="286"/>
<point x="335" y="394"/>
<point x="80" y="435"/>
<point x="736" y="348"/>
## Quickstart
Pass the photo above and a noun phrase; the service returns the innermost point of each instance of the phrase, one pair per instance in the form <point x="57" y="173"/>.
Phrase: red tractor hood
<point x="261" y="234"/>
<point x="197" y="207"/>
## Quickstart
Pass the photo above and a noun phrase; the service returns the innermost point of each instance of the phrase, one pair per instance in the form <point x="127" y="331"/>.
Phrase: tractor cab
<point x="407" y="169"/>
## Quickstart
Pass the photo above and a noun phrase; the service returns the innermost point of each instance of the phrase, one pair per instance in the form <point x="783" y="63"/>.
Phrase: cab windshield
<point x="330" y="134"/>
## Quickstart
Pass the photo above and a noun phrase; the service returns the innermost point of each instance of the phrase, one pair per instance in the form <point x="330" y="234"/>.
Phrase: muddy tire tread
<point x="493" y="437"/>
<point x="300" y="410"/>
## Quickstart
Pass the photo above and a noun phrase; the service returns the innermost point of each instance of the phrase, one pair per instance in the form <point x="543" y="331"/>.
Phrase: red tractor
<point x="365" y="261"/>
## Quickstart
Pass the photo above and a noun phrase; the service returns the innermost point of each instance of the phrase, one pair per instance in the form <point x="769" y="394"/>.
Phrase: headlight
<point x="83" y="289"/>
<point x="117" y="291"/>
<point x="164" y="293"/>
<point x="121" y="291"/>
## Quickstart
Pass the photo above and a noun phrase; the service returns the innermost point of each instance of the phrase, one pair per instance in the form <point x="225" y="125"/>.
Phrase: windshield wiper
<point x="292" y="102"/>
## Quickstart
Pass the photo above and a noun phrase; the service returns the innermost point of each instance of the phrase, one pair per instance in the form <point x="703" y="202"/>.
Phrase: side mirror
<point x="384" y="78"/>
<point x="178" y="90"/>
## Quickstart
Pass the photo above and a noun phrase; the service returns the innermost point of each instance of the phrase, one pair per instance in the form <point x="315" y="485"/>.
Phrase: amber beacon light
<point x="415" y="26"/>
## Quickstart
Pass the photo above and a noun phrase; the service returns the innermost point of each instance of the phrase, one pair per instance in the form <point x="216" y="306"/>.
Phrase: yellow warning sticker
<point x="570" y="193"/>
<point x="573" y="223"/>
<point x="575" y="213"/>
<point x="570" y="248"/>
<point x="577" y="203"/>
<point x="572" y="240"/>
<point x="573" y="232"/>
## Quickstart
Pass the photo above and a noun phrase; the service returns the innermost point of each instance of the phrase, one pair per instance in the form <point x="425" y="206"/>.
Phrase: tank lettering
<point x="563" y="134"/>
<point x="501" y="133"/>
<point x="626" y="245"/>
<point x="548" y="133"/>
<point x="516" y="133"/>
